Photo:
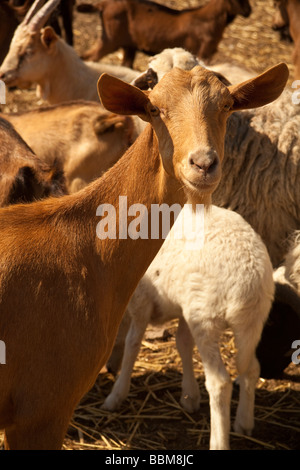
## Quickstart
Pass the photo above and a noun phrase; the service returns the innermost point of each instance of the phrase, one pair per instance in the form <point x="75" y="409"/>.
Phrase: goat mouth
<point x="202" y="186"/>
<point x="9" y="80"/>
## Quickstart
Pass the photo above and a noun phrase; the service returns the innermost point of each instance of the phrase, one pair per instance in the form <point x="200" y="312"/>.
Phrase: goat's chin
<point x="196" y="197"/>
<point x="200" y="193"/>
<point x="14" y="83"/>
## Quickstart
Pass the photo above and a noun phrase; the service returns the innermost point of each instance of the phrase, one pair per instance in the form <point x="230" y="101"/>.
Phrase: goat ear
<point x="56" y="181"/>
<point x="147" y="80"/>
<point x="121" y="98"/>
<point x="22" y="188"/>
<point x="260" y="90"/>
<point x="48" y="36"/>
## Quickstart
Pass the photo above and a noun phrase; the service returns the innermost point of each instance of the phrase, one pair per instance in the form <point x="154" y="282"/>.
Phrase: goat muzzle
<point x="204" y="163"/>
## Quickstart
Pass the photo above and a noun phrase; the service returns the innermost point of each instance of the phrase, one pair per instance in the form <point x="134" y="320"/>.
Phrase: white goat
<point x="38" y="55"/>
<point x="226" y="283"/>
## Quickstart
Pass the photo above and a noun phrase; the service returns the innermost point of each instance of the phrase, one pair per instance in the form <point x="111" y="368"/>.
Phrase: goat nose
<point x="205" y="162"/>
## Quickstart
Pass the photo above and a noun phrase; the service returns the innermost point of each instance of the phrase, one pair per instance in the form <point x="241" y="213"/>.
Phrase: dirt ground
<point x="151" y="418"/>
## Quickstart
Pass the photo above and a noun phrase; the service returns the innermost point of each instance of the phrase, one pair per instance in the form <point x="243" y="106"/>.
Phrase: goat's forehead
<point x="199" y="82"/>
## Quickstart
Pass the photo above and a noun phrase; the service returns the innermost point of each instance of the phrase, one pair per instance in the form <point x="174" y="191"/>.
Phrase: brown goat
<point x="23" y="176"/>
<point x="142" y="25"/>
<point x="288" y="14"/>
<point x="64" y="289"/>
<point x="92" y="140"/>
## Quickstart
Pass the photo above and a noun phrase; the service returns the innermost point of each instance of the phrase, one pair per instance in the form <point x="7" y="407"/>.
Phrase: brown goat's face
<point x="188" y="111"/>
<point x="191" y="126"/>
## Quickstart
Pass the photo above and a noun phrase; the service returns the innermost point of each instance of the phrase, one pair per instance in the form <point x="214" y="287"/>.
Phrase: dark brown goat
<point x="149" y="27"/>
<point x="8" y="24"/>
<point x="288" y="15"/>
<point x="23" y="177"/>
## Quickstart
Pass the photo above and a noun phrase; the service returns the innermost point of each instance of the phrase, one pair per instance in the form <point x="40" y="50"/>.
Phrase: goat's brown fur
<point x="149" y="27"/>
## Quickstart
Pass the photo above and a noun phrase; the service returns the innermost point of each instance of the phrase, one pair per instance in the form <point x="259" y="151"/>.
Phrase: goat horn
<point x="43" y="14"/>
<point x="32" y="11"/>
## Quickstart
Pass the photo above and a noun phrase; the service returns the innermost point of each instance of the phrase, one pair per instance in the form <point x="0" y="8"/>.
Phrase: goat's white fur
<point x="226" y="283"/>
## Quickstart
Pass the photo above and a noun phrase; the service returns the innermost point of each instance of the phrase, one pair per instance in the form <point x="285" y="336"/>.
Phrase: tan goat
<point x="92" y="140"/>
<point x="38" y="55"/>
<point x="63" y="290"/>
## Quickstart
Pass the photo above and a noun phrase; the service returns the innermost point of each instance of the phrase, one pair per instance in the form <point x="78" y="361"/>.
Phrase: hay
<point x="151" y="418"/>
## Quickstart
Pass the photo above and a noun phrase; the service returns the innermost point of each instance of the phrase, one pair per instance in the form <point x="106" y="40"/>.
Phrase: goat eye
<point x="227" y="107"/>
<point x="154" y="111"/>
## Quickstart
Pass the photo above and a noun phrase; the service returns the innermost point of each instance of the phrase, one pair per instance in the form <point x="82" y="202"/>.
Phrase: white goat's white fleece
<point x="227" y="282"/>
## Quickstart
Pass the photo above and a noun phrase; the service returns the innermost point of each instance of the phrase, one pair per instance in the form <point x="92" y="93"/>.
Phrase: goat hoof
<point x="243" y="430"/>
<point x="109" y="405"/>
<point x="190" y="404"/>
